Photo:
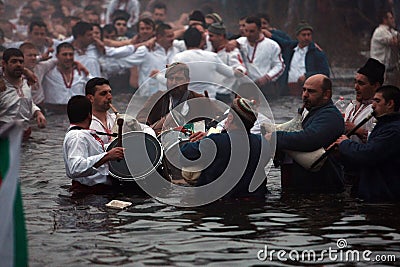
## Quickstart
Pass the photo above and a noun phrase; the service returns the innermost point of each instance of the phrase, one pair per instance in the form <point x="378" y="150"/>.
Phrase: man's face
<point x="145" y="31"/>
<point x="159" y="14"/>
<point x="87" y="38"/>
<point x="264" y="24"/>
<point x="30" y="56"/>
<point x="96" y="33"/>
<point x="305" y="38"/>
<point x="364" y="90"/>
<point x="166" y="39"/>
<point x="14" y="67"/>
<point x="215" y="39"/>
<point x="242" y="24"/>
<point x="102" y="98"/>
<point x="252" y="32"/>
<point x="313" y="95"/>
<point x="178" y="82"/>
<point x="121" y="26"/>
<point x="389" y="20"/>
<point x="38" y="35"/>
<point x="66" y="57"/>
<point x="110" y="35"/>
<point x="380" y="106"/>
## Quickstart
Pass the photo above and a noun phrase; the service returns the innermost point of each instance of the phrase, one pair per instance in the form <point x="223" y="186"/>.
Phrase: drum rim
<point x="125" y="179"/>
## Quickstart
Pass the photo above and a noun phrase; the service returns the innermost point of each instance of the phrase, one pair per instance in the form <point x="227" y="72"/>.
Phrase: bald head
<point x="317" y="91"/>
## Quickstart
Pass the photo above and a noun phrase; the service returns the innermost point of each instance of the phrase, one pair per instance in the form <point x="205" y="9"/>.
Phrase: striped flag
<point x="13" y="243"/>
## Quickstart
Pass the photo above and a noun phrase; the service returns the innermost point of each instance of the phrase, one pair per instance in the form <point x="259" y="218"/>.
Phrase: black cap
<point x="374" y="70"/>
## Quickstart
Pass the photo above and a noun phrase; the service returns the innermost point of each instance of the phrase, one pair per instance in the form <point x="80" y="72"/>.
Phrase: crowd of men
<point x="62" y="62"/>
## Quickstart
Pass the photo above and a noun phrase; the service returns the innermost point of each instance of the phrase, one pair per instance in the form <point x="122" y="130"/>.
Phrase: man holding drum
<point x="84" y="152"/>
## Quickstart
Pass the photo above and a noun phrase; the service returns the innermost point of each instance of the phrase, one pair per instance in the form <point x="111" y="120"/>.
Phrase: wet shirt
<point x="81" y="152"/>
<point x="16" y="104"/>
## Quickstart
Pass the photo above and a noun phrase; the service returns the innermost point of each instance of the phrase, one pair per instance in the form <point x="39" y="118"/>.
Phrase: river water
<point x="80" y="231"/>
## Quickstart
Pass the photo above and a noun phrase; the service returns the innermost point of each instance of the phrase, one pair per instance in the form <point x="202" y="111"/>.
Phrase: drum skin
<point x="144" y="153"/>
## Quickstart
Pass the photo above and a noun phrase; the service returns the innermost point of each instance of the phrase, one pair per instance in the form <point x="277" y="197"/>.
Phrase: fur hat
<point x="374" y="70"/>
<point x="244" y="108"/>
<point x="217" y="28"/>
<point x="303" y="25"/>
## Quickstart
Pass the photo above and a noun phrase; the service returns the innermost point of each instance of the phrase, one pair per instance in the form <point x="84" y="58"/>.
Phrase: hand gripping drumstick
<point x="350" y="133"/>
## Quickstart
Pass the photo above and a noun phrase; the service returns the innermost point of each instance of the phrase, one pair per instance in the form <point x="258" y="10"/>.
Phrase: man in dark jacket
<point x="302" y="59"/>
<point x="377" y="162"/>
<point x="322" y="125"/>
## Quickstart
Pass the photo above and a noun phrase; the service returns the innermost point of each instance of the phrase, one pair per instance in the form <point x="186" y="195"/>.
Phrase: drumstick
<point x="120" y="122"/>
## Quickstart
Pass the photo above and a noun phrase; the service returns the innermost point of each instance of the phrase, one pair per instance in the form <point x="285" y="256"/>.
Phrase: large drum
<point x="144" y="153"/>
<point x="171" y="141"/>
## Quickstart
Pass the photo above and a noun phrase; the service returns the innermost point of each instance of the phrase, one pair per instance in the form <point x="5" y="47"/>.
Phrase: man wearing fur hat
<point x="367" y="79"/>
<point x="302" y="59"/>
<point x="240" y="120"/>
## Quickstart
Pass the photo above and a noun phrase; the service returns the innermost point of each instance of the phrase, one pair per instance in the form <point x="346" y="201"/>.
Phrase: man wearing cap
<point x="367" y="79"/>
<point x="322" y="125"/>
<point x="302" y="59"/>
<point x="156" y="110"/>
<point x="217" y="36"/>
<point x="240" y="120"/>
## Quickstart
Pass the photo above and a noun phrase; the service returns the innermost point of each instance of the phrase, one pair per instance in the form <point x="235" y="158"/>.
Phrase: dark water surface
<point x="68" y="231"/>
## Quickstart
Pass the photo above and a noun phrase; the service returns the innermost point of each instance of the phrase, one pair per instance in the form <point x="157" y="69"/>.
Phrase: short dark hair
<point x="390" y="92"/>
<point x="12" y="52"/>
<point x="64" y="45"/>
<point x="147" y="21"/>
<point x="159" y="5"/>
<point x="39" y="23"/>
<point x="79" y="108"/>
<point x="263" y="16"/>
<point x="255" y="20"/>
<point x="90" y="88"/>
<point x="162" y="27"/>
<point x="120" y="18"/>
<point x="100" y="28"/>
<point x="382" y="14"/>
<point x="81" y="28"/>
<point x="109" y="28"/>
<point x="192" y="37"/>
<point x="120" y="13"/>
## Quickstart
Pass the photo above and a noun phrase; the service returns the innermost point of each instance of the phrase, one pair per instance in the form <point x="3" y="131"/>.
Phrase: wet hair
<point x="64" y="45"/>
<point x="326" y="84"/>
<point x="192" y="37"/>
<point x="38" y="23"/>
<point x="255" y="20"/>
<point x="78" y="108"/>
<point x="390" y="92"/>
<point x="90" y="88"/>
<point x="161" y="28"/>
<point x="81" y="28"/>
<point x="12" y="52"/>
<point x="27" y="45"/>
<point x="147" y="21"/>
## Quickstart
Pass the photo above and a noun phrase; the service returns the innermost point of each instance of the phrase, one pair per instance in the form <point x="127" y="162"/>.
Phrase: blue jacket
<point x="316" y="61"/>
<point x="257" y="160"/>
<point x="377" y="162"/>
<point x="321" y="127"/>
